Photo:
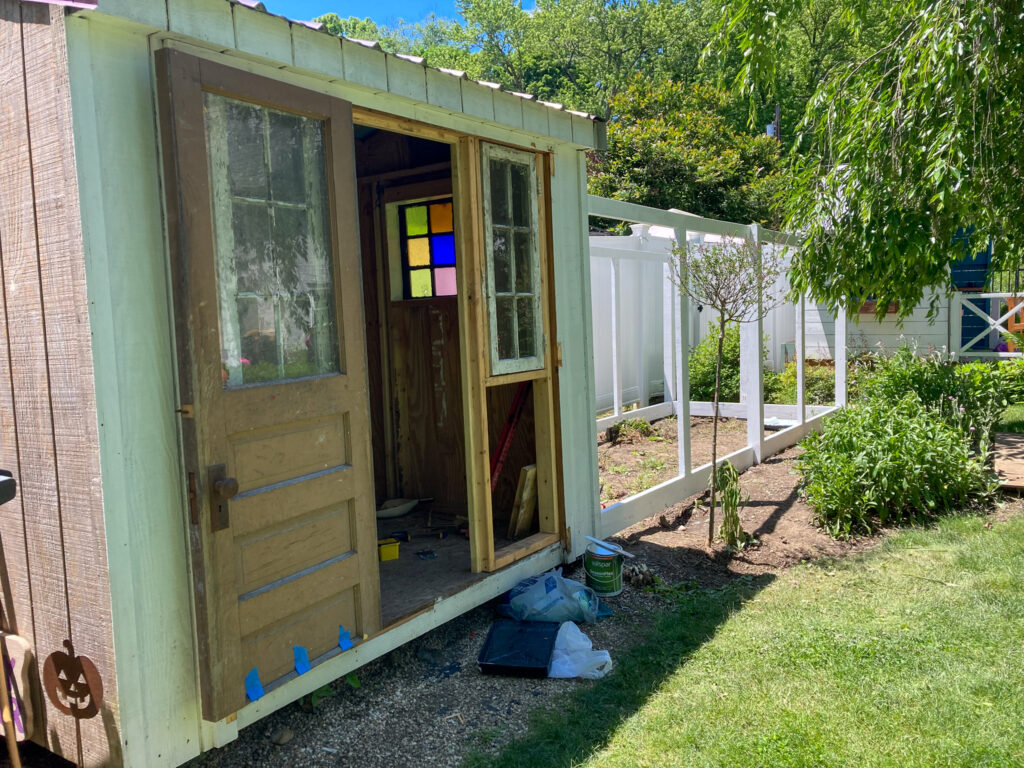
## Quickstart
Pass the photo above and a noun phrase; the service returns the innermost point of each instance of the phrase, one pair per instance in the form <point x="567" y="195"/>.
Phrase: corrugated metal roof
<point x="259" y="6"/>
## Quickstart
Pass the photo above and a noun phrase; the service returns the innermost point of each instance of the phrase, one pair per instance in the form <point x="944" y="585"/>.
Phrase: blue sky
<point x="381" y="11"/>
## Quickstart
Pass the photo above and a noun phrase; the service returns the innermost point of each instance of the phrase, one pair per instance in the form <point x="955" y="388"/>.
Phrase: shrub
<point x="884" y="463"/>
<point x="968" y="396"/>
<point x="819" y="385"/>
<point x="1011" y="379"/>
<point x="629" y="431"/>
<point x="702" y="367"/>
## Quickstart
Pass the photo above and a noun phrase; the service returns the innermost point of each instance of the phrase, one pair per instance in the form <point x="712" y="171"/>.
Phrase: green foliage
<point x="967" y="396"/>
<point x="1011" y="378"/>
<point x="882" y="462"/>
<point x="728" y="482"/>
<point x="630" y="431"/>
<point x="702" y="367"/>
<point x="904" y="147"/>
<point x="819" y="385"/>
<point x="670" y="146"/>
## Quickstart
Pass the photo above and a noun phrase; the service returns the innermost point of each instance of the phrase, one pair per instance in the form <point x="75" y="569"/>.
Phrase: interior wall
<point x="412" y="346"/>
<point x="522" y="452"/>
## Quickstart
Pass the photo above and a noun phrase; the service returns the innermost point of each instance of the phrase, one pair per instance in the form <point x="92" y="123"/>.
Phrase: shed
<point x="257" y="280"/>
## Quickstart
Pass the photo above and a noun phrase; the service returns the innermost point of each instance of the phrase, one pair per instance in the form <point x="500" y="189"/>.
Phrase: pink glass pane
<point x="444" y="281"/>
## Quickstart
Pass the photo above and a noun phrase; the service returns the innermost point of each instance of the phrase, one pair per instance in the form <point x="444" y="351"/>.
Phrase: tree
<point x="906" y="147"/>
<point x="734" y="280"/>
<point x="670" y="146"/>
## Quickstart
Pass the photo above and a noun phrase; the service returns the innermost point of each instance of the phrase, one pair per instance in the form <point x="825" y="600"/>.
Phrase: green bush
<point x="819" y="385"/>
<point x="1011" y="378"/>
<point x="968" y="396"/>
<point x="702" y="367"/>
<point x="884" y="463"/>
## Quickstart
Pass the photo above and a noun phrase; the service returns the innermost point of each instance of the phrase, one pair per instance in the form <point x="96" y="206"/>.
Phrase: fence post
<point x="956" y="314"/>
<point x="643" y="388"/>
<point x="751" y="366"/>
<point x="840" y="355"/>
<point x="801" y="356"/>
<point x="616" y="329"/>
<point x="681" y="333"/>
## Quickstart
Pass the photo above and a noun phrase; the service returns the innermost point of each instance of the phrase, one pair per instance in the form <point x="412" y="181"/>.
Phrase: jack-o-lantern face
<point x="73" y="683"/>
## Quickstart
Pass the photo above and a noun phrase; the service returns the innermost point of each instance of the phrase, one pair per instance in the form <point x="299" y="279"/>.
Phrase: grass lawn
<point x="1012" y="419"/>
<point x="909" y="655"/>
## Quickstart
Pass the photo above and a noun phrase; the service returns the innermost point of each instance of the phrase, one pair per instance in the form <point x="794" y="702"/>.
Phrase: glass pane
<point x="274" y="281"/>
<point x="419" y="284"/>
<point x="521" y="195"/>
<point x="499" y="192"/>
<point x="444" y="279"/>
<point x="244" y="125"/>
<point x="287" y="180"/>
<point x="416" y="220"/>
<point x="418" y="249"/>
<point x="441" y="218"/>
<point x="506" y="327"/>
<point x="502" y="261"/>
<point x="527" y="329"/>
<point x="253" y="261"/>
<point x="443" y="247"/>
<point x="524" y="262"/>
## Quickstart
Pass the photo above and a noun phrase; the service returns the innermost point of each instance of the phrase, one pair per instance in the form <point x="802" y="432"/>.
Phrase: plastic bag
<point x="574" y="655"/>
<point x="551" y="597"/>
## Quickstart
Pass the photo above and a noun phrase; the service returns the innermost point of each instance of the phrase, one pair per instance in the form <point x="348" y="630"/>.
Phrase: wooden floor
<point x="1009" y="459"/>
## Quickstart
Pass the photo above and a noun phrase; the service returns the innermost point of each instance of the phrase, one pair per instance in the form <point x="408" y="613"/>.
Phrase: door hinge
<point x="558" y="354"/>
<point x="568" y="539"/>
<point x="187" y="411"/>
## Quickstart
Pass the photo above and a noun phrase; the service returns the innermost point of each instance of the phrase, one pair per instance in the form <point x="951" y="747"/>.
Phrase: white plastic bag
<point x="551" y="597"/>
<point x="574" y="655"/>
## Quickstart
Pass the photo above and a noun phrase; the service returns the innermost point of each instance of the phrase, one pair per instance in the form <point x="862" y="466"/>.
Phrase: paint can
<point x="604" y="570"/>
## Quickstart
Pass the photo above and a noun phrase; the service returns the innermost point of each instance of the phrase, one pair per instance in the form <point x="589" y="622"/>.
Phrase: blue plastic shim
<point x="253" y="686"/>
<point x="301" y="659"/>
<point x="344" y="639"/>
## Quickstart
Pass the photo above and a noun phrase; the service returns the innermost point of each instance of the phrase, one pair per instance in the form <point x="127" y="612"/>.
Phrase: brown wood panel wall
<point x="53" y="532"/>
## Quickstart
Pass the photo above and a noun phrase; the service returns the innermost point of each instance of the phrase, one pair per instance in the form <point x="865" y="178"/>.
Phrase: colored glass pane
<point x="415" y="220"/>
<point x="445" y="281"/>
<point x="441" y="218"/>
<point x="419" y="251"/>
<point x="443" y="247"/>
<point x="419" y="283"/>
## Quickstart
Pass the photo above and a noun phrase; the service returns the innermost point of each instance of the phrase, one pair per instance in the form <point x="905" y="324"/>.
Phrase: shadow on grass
<point x="583" y="721"/>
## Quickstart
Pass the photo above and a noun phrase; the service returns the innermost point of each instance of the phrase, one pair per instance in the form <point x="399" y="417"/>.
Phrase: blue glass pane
<point x="443" y="247"/>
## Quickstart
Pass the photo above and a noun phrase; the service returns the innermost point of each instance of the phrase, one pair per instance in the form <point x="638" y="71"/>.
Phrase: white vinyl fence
<point x="649" y="349"/>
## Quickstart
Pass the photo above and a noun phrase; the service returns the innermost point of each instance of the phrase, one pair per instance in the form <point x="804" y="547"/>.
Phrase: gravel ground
<point x="424" y="704"/>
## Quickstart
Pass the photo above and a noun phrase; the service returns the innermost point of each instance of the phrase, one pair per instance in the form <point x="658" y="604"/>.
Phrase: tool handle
<point x="609" y="545"/>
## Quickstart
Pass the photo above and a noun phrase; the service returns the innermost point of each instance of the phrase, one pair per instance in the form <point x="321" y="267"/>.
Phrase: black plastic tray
<point x="518" y="648"/>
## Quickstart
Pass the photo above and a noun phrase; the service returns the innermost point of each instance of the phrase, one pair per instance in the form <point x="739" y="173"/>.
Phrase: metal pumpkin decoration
<point x="73" y="683"/>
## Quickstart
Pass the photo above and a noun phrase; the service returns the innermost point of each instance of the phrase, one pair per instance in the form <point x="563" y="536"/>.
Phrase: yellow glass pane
<point x="419" y="251"/>
<point x="441" y="218"/>
<point x="419" y="283"/>
<point x="416" y="220"/>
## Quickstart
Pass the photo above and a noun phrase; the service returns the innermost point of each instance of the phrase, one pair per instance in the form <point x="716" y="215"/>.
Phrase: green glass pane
<point x="419" y="284"/>
<point x="416" y="220"/>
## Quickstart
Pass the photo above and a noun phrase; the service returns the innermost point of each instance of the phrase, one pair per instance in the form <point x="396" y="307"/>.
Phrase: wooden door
<point x="262" y="211"/>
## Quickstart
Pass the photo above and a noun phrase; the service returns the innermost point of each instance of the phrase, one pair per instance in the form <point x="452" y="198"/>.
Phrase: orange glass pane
<point x="441" y="218"/>
<point x="418" y="249"/>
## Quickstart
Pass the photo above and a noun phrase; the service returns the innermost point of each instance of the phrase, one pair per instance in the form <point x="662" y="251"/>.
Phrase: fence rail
<point x="675" y="328"/>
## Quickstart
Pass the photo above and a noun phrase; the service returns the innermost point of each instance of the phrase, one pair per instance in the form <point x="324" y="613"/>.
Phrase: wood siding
<point x="53" y="532"/>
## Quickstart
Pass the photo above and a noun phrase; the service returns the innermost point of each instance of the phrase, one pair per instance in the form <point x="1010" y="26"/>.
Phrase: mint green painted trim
<point x="133" y="358"/>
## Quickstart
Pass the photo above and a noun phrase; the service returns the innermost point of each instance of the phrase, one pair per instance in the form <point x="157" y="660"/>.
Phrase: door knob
<point x="226" y="487"/>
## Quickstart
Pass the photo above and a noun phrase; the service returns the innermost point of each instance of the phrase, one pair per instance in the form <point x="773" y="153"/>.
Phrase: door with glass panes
<point x="267" y="288"/>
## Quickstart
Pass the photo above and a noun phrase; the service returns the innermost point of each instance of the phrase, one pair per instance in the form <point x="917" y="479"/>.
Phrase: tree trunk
<point x="714" y="431"/>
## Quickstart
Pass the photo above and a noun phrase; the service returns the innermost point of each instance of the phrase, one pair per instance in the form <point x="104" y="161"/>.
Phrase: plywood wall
<point x="55" y="569"/>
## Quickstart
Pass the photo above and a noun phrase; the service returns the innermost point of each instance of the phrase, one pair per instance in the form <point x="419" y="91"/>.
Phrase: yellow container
<point x="388" y="549"/>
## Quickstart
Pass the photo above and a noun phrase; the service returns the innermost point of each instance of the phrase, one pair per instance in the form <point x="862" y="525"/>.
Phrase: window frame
<point x="536" y="362"/>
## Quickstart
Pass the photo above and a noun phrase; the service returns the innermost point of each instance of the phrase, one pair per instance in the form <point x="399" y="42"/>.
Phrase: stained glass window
<point x="428" y="249"/>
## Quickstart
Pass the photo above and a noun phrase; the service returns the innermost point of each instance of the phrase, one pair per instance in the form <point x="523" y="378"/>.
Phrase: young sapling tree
<point x="735" y="279"/>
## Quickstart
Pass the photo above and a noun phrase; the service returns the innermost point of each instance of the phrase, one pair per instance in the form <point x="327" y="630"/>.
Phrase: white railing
<point x="676" y="352"/>
<point x="997" y="322"/>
